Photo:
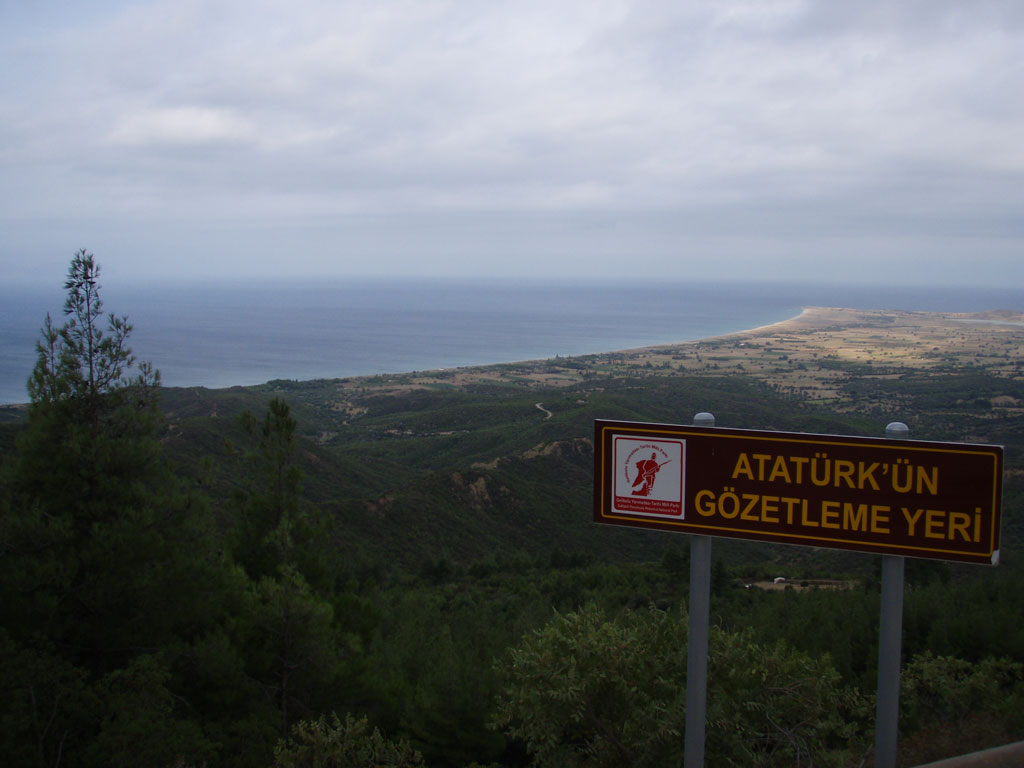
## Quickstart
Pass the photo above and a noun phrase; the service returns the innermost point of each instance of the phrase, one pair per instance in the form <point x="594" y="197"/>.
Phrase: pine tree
<point x="95" y="507"/>
<point x="106" y="559"/>
<point x="91" y="438"/>
<point x="294" y="649"/>
<point x="268" y="518"/>
<point x="80" y="362"/>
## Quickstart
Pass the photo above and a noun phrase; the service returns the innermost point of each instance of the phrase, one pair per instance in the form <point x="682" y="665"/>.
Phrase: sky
<point x="660" y="139"/>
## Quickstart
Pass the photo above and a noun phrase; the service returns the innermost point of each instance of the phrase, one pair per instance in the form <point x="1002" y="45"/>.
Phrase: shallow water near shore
<point x="224" y="334"/>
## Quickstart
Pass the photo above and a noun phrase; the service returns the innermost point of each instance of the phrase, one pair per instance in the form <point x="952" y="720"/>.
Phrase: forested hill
<point x="251" y="576"/>
<point x="470" y="462"/>
<point x="412" y="474"/>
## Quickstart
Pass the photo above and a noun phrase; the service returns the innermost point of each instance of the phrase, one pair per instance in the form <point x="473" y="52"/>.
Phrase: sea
<point x="222" y="334"/>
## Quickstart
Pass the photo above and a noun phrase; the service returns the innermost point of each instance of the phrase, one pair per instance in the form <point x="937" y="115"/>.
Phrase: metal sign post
<point x="697" y="639"/>
<point x="890" y="646"/>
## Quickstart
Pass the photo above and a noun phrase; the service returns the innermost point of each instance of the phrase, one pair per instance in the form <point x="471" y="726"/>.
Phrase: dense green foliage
<point x="191" y="577"/>
<point x="334" y="744"/>
<point x="588" y="691"/>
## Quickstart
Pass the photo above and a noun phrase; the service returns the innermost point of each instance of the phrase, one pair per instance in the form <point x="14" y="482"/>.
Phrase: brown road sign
<point x="899" y="497"/>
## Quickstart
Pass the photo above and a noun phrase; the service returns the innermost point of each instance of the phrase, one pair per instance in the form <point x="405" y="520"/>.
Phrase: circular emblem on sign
<point x="642" y="466"/>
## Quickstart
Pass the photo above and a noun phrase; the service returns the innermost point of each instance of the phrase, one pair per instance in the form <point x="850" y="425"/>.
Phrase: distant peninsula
<point x="808" y="355"/>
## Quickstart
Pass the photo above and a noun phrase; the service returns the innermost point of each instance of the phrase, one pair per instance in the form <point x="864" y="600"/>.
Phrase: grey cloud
<point x="794" y="122"/>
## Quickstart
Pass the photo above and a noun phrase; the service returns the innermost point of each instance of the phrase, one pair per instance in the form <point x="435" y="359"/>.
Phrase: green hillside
<point x="469" y="472"/>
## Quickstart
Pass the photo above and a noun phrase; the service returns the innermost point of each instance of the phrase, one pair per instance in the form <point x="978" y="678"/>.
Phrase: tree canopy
<point x="79" y="360"/>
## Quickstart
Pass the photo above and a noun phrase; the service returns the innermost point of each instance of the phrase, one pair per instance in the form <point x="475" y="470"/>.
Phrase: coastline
<point x="781" y="326"/>
<point x="837" y="319"/>
<point x="224" y="335"/>
<point x="786" y="354"/>
<point x="806" y="354"/>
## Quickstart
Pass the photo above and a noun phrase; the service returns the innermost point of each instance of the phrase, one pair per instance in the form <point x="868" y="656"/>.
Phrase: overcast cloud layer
<point x="816" y="139"/>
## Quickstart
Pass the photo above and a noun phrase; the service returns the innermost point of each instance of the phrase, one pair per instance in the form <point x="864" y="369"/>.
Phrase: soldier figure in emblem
<point x="646" y="469"/>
